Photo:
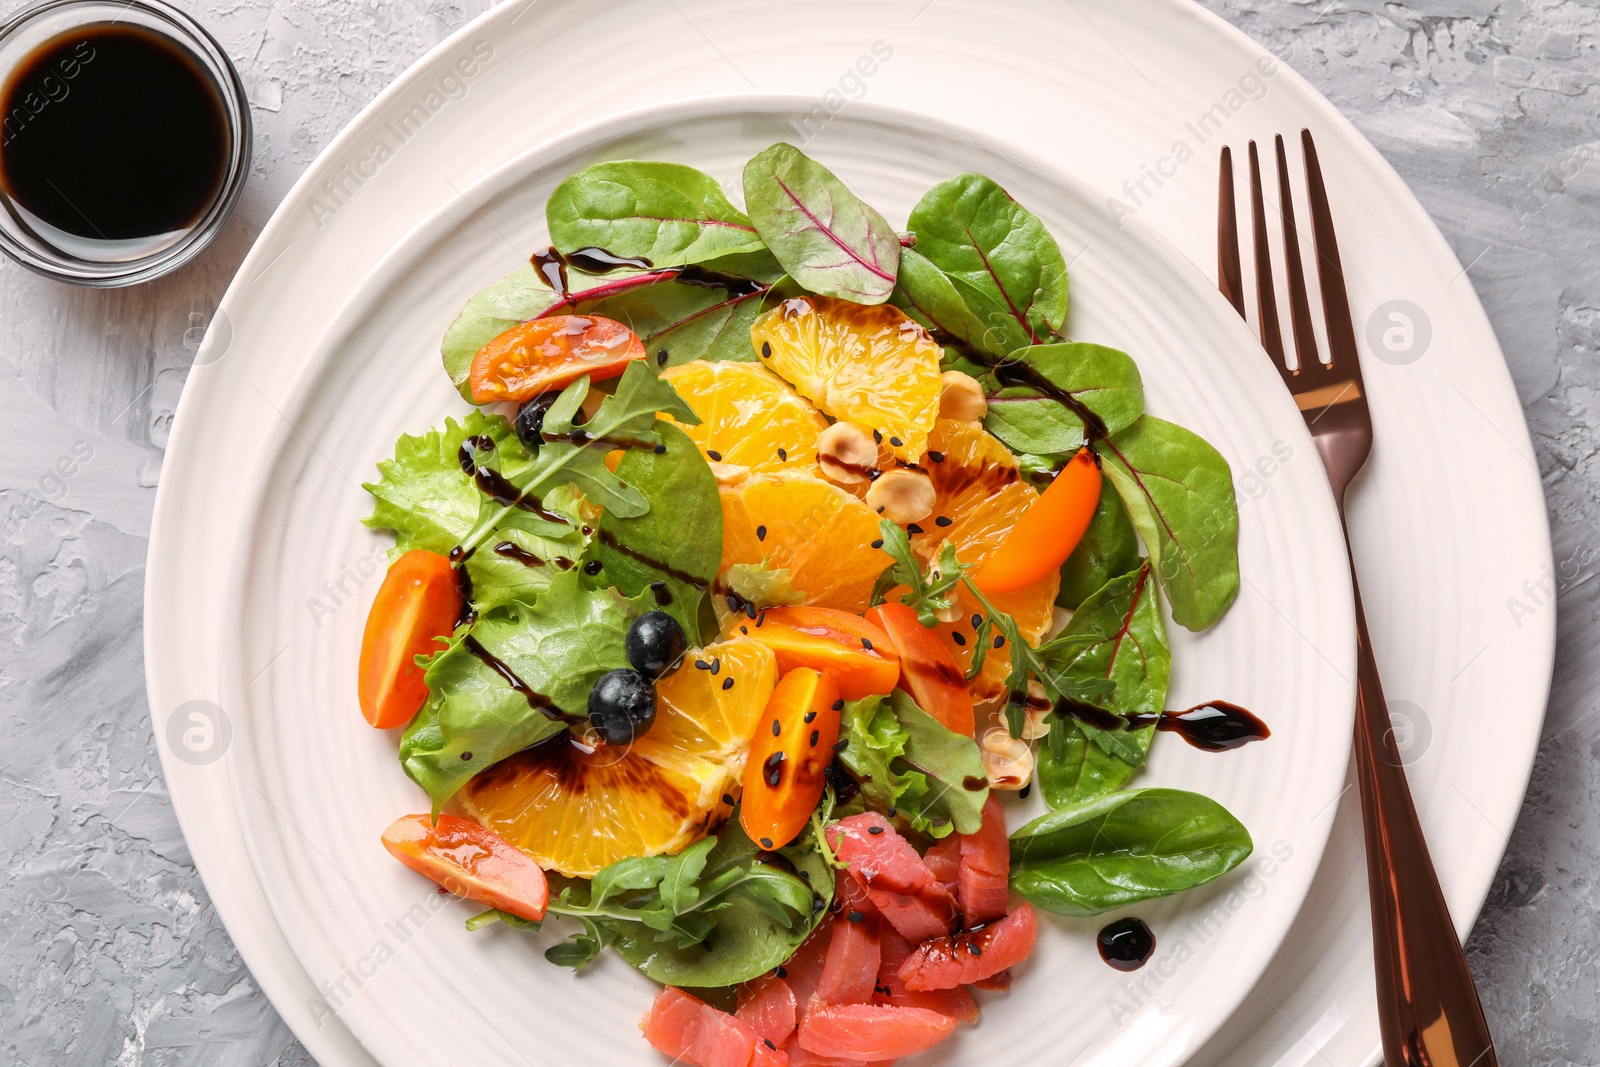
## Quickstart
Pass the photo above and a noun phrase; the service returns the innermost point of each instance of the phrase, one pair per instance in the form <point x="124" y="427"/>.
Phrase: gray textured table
<point x="112" y="952"/>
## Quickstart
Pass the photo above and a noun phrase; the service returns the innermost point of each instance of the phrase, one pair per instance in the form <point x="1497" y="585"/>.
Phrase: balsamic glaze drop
<point x="1215" y="726"/>
<point x="1126" y="944"/>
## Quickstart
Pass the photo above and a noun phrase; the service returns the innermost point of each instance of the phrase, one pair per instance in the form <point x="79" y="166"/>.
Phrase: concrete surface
<point x="110" y="951"/>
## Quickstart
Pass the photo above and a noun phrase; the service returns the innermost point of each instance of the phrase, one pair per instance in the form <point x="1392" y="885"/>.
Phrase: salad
<point x="779" y="553"/>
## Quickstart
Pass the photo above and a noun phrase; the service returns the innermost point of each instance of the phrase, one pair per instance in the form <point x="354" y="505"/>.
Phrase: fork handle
<point x="1428" y="1010"/>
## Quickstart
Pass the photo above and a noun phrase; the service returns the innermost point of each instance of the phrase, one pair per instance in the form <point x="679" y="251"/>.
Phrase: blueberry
<point x="622" y="705"/>
<point x="530" y="420"/>
<point x="655" y="643"/>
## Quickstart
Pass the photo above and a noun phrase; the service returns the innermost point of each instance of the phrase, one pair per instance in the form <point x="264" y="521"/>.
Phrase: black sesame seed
<point x="727" y="683"/>
<point x="783" y="454"/>
<point x="744" y="629"/>
<point x="972" y="947"/>
<point x="660" y="450"/>
<point x="701" y="665"/>
<point x="879" y="542"/>
<point x="715" y="457"/>
<point x="780" y="971"/>
<point x="1022" y="794"/>
<point x="943" y="520"/>
<point x="856" y="916"/>
<point x="977" y="620"/>
<point x="761" y="619"/>
<point x="811" y="717"/>
<point x="816" y="735"/>
<point x="958" y="637"/>
<point x="999" y="639"/>
<point x="466" y="757"/>
<point x="661" y="358"/>
<point x="877" y="437"/>
<point x="716" y="664"/>
<point x="913" y="528"/>
<point x="896" y="442"/>
<point x="727" y="798"/>
<point x="874" y="829"/>
<point x="838" y="705"/>
<point x="593" y="567"/>
<point x="880" y="511"/>
<point x="892" y="812"/>
<point x="766" y="842"/>
<point x="750" y="612"/>
<point x="761" y="533"/>
<point x="766" y="349"/>
<point x="937" y="457"/>
<point x="842" y="744"/>
<point x="777" y="728"/>
<point x="866" y="644"/>
<point x="768" y="1042"/>
<point x="656" y="587"/>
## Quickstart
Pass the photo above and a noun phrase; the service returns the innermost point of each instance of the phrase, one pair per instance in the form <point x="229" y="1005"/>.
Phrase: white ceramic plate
<point x="315" y="786"/>
<point x="1449" y="523"/>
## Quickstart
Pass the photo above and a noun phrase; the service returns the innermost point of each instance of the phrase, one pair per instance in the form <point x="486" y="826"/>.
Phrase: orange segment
<point x="818" y="532"/>
<point x="576" y="808"/>
<point x="869" y="365"/>
<point x="749" y="417"/>
<point x="981" y="492"/>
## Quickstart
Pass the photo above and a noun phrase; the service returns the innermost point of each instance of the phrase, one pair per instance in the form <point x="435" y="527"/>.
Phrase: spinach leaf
<point x="678" y="541"/>
<point x="557" y="647"/>
<point x="518" y="297"/>
<point x="1179" y="493"/>
<point x="1128" y="846"/>
<point x="1072" y="768"/>
<point x="697" y="319"/>
<point x="1109" y="548"/>
<point x="1004" y="269"/>
<point x="1103" y="380"/>
<point x="905" y="759"/>
<point x="927" y="294"/>
<point x="667" y="213"/>
<point x="826" y="238"/>
<point x="1129" y="647"/>
<point x="579" y="457"/>
<point x="717" y="914"/>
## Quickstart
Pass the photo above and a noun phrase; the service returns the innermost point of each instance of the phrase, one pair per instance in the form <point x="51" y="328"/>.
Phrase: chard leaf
<point x="1109" y="548"/>
<point x="667" y="213"/>
<point x="1127" y="646"/>
<point x="697" y="316"/>
<point x="1179" y="493"/>
<point x="1007" y="281"/>
<point x="1072" y="768"/>
<point x="516" y="298"/>
<point x="826" y="238"/>
<point x="473" y="717"/>
<point x="1105" y="381"/>
<point x="678" y="539"/>
<point x="1125" y="847"/>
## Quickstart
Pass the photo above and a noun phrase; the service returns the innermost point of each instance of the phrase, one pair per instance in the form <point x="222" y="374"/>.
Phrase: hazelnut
<point x="902" y="496"/>
<point x="845" y="451"/>
<point x="1007" y="761"/>
<point x="961" y="397"/>
<point x="1036" y="722"/>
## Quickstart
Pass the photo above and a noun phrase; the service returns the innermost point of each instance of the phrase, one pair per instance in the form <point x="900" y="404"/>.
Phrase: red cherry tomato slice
<point x="927" y="669"/>
<point x="417" y="603"/>
<point x="793" y="745"/>
<point x="470" y="861"/>
<point x="543" y="354"/>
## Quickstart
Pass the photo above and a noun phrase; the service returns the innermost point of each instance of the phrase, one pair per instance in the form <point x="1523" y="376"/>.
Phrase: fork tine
<point x="1266" y="295"/>
<point x="1230" y="276"/>
<point x="1305" y="338"/>
<point x="1342" y="352"/>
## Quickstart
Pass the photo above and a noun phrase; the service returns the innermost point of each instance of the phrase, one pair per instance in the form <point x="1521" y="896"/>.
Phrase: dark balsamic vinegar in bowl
<point x="123" y="139"/>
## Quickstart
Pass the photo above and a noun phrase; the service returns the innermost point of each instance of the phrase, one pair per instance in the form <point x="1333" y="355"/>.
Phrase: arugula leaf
<point x="629" y="413"/>
<point x="716" y="914"/>
<point x="697" y="319"/>
<point x="763" y="585"/>
<point x="1007" y="281"/>
<point x="1128" y="846"/>
<point x="826" y="238"/>
<point x="473" y="718"/>
<point x="1109" y="548"/>
<point x="677" y="541"/>
<point x="1179" y="493"/>
<point x="905" y="759"/>
<point x="1103" y="380"/>
<point x="423" y="495"/>
<point x="929" y="593"/>
<point x="667" y="213"/>
<point x="1127" y="644"/>
<point x="516" y="298"/>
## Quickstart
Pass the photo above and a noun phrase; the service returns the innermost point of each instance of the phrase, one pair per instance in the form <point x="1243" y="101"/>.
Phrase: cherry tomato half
<point x="793" y="745"/>
<point x="470" y="861"/>
<point x="927" y="669"/>
<point x="417" y="603"/>
<point x="853" y="652"/>
<point x="536" y="356"/>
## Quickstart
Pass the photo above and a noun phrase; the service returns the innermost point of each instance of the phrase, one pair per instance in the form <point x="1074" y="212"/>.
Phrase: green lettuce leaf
<point x="826" y="238"/>
<point x="676" y="545"/>
<point x="667" y="213"/>
<point x="906" y="761"/>
<point x="1179" y="493"/>
<point x="423" y="495"/>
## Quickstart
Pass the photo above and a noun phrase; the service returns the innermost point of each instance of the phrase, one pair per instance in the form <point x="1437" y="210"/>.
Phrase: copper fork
<point x="1428" y="1010"/>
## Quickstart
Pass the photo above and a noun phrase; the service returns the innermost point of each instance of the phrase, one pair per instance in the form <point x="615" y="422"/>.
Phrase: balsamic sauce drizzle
<point x="536" y="700"/>
<point x="1215" y="726"/>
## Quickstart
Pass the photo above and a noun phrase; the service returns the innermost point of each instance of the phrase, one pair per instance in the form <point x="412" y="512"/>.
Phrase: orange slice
<point x="816" y="531"/>
<point x="873" y="366"/>
<point x="576" y="808"/>
<point x="749" y="417"/>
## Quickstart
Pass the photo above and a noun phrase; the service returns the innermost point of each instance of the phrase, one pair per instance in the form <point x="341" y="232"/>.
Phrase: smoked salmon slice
<point x="692" y="1031"/>
<point x="965" y="958"/>
<point x="900" y="885"/>
<point x="767" y="1006"/>
<point x="851" y="967"/>
<point x="984" y="881"/>
<point x="891" y="989"/>
<point x="865" y="1033"/>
